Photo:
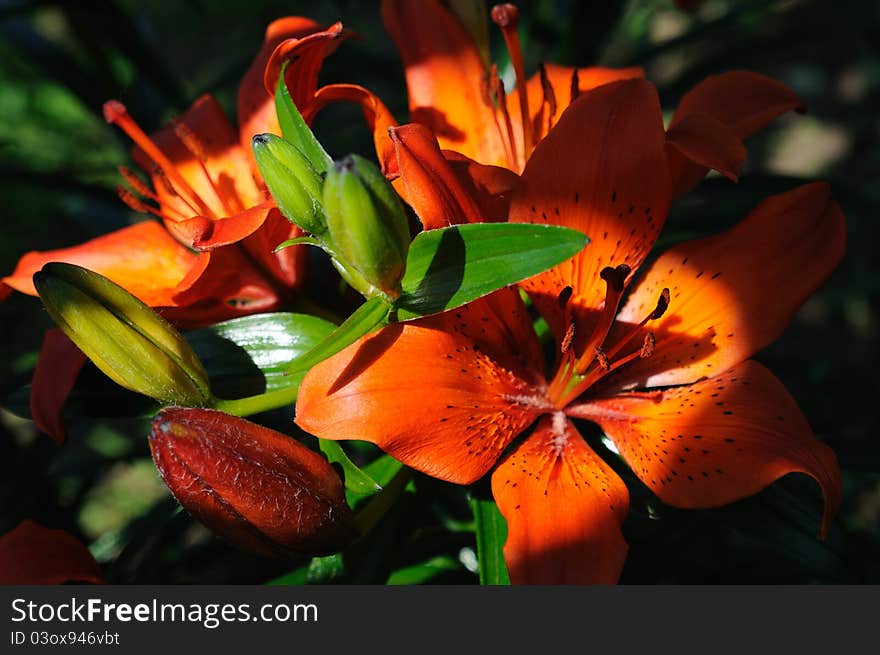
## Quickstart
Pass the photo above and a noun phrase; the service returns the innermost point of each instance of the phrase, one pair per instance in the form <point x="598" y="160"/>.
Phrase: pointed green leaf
<point x="249" y="355"/>
<point x="454" y="265"/>
<point x="423" y="572"/>
<point x="356" y="480"/>
<point x="295" y="130"/>
<point x="307" y="240"/>
<point x="372" y="314"/>
<point x="491" y="531"/>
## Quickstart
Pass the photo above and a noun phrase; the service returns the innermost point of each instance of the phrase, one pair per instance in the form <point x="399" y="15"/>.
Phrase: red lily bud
<point x="259" y="489"/>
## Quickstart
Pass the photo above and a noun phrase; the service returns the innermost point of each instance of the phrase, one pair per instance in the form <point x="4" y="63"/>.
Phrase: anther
<point x="506" y="17"/>
<point x="564" y="296"/>
<point x="567" y="339"/>
<point x="133" y="201"/>
<point x="135" y="182"/>
<point x="575" y="86"/>
<point x="615" y="278"/>
<point x="662" y="305"/>
<point x="648" y="345"/>
<point x="549" y="93"/>
<point x="602" y="359"/>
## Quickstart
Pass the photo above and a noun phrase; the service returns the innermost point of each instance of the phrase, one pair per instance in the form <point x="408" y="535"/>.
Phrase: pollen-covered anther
<point x="133" y="202"/>
<point x="662" y="305"/>
<point x="648" y="345"/>
<point x="567" y="339"/>
<point x="602" y="359"/>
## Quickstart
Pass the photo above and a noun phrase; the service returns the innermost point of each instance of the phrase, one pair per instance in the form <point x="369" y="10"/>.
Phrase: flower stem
<point x="263" y="402"/>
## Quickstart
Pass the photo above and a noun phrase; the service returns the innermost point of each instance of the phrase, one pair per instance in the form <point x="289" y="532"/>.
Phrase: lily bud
<point x="293" y="181"/>
<point x="128" y="341"/>
<point x="259" y="489"/>
<point x="367" y="225"/>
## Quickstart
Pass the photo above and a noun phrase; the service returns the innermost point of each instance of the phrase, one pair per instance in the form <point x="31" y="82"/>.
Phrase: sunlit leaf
<point x="451" y="266"/>
<point x="372" y="314"/>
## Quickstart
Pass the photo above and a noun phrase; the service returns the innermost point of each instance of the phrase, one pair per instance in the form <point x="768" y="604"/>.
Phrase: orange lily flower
<point x="208" y="194"/>
<point x="210" y="257"/>
<point x="482" y="142"/>
<point x="462" y="100"/>
<point x="667" y="375"/>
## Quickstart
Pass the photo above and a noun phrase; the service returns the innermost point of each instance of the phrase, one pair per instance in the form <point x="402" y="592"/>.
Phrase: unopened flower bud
<point x="293" y="181"/>
<point x="259" y="489"/>
<point x="127" y="340"/>
<point x="366" y="222"/>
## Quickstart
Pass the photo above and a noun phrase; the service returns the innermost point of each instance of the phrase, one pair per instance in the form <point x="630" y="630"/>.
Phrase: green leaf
<point x="311" y="241"/>
<point x="491" y="535"/>
<point x="373" y="313"/>
<point x="423" y="572"/>
<point x="319" y="570"/>
<point x="294" y="128"/>
<point x="451" y="266"/>
<point x="356" y="480"/>
<point x="383" y="469"/>
<point x="249" y="355"/>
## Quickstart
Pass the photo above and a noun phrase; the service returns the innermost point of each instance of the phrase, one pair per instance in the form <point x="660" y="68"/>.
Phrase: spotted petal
<point x="444" y="395"/>
<point x="601" y="170"/>
<point x="716" y="441"/>
<point x="564" y="507"/>
<point x="733" y="294"/>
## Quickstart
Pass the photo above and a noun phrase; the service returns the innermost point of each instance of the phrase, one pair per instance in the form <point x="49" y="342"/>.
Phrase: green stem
<point x="263" y="402"/>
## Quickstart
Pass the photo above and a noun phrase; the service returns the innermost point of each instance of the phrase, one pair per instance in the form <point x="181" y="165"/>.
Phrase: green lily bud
<point x="293" y="181"/>
<point x="366" y="222"/>
<point x="127" y="340"/>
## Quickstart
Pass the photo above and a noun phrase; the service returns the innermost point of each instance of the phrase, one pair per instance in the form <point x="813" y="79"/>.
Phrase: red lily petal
<point x="709" y="143"/>
<point x="305" y="55"/>
<point x="142" y="258"/>
<point x="289" y="265"/>
<point x="221" y="285"/>
<point x="376" y="114"/>
<point x="203" y="233"/>
<point x="256" y="105"/>
<point x="734" y="293"/>
<point x="438" y="394"/>
<point x="601" y="170"/>
<point x="444" y="78"/>
<point x="58" y="366"/>
<point x="744" y="101"/>
<point x="429" y="184"/>
<point x="491" y="187"/>
<point x="33" y="554"/>
<point x="564" y="507"/>
<point x="212" y="162"/>
<point x="716" y="441"/>
<point x="560" y="79"/>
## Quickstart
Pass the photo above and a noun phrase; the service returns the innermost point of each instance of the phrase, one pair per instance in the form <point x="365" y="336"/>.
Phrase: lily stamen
<point x="615" y="279"/>
<point x="497" y="88"/>
<point x="115" y="113"/>
<point x="194" y="146"/>
<point x="506" y="17"/>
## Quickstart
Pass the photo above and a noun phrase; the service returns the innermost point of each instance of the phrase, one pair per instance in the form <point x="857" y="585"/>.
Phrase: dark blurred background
<point x="59" y="61"/>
